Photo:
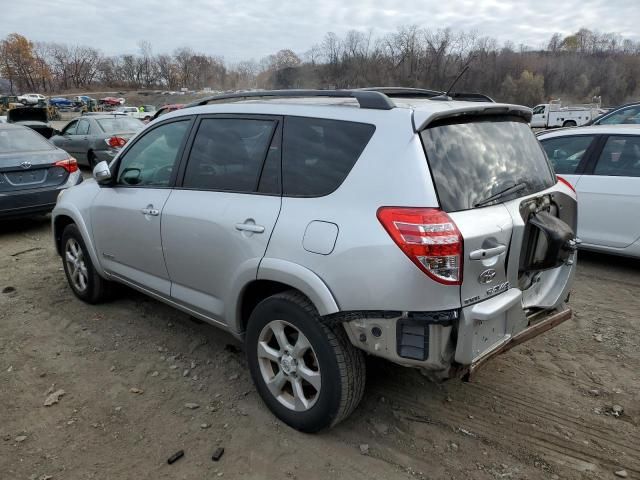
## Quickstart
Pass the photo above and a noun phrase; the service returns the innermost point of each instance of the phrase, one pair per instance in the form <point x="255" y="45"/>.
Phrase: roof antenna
<point x="445" y="95"/>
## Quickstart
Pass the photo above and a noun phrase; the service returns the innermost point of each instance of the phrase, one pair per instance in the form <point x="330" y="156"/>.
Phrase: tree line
<point x="575" y="68"/>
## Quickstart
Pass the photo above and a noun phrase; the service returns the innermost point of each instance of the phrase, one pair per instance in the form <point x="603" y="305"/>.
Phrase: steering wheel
<point x="162" y="175"/>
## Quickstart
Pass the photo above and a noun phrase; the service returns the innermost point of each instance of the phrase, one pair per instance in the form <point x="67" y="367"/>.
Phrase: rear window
<point x="318" y="154"/>
<point x="22" y="140"/>
<point x="472" y="160"/>
<point x="121" y="124"/>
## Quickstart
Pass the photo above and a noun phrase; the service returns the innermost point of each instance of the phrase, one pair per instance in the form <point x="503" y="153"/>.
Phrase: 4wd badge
<point x="487" y="276"/>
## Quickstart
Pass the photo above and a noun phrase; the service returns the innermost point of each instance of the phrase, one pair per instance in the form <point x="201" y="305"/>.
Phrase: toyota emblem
<point x="487" y="276"/>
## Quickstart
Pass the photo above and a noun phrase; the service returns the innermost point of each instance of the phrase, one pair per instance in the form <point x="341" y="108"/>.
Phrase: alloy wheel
<point x="289" y="365"/>
<point x="75" y="265"/>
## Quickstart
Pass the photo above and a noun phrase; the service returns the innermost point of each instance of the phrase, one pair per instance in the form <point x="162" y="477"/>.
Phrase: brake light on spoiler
<point x="429" y="237"/>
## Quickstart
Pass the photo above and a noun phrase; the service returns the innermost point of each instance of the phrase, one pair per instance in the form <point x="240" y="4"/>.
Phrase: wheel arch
<point x="275" y="276"/>
<point x="64" y="217"/>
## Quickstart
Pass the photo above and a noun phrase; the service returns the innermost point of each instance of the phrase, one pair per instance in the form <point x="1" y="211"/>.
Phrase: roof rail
<point x="366" y="99"/>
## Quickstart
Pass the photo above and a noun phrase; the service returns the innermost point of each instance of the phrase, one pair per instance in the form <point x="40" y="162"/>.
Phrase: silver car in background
<point x="95" y="138"/>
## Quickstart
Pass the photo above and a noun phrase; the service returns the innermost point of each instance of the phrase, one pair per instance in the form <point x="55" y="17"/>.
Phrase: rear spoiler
<point x="471" y="97"/>
<point x="407" y="92"/>
<point x="422" y="118"/>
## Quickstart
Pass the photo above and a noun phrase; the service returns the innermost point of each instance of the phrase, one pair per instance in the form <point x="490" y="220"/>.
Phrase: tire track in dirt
<point x="478" y="418"/>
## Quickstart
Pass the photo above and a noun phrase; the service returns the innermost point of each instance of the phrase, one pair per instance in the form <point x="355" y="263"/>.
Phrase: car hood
<point x="23" y="114"/>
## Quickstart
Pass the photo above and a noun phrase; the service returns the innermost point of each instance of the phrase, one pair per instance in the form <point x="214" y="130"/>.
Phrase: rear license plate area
<point x="26" y="178"/>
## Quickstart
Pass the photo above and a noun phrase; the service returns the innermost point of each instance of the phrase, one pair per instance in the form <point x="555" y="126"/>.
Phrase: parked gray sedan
<point x="32" y="172"/>
<point x="94" y="138"/>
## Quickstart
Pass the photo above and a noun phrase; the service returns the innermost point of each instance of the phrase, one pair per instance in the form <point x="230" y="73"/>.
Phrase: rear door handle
<point x="249" y="227"/>
<point x="483" y="253"/>
<point x="150" y="211"/>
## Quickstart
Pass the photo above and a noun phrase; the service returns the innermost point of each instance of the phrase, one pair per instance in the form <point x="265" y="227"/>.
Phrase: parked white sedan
<point x="602" y="163"/>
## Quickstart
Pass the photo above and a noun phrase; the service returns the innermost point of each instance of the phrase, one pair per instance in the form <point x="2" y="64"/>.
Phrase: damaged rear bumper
<point x="539" y="323"/>
<point x="453" y="343"/>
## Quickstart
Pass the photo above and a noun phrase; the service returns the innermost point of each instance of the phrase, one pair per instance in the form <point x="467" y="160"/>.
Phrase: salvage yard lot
<point x="543" y="410"/>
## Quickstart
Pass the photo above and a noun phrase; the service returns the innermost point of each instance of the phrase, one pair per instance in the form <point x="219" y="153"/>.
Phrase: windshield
<point x="22" y="140"/>
<point x="473" y="160"/>
<point x="120" y="124"/>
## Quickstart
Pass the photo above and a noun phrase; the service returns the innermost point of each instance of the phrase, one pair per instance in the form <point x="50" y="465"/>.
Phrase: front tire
<point x="305" y="370"/>
<point x="83" y="279"/>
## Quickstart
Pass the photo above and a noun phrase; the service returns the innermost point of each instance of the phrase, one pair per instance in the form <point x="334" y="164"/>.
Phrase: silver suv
<point x="318" y="226"/>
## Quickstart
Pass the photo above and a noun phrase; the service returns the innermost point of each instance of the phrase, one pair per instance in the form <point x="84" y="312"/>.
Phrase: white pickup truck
<point x="554" y="115"/>
<point x="147" y="114"/>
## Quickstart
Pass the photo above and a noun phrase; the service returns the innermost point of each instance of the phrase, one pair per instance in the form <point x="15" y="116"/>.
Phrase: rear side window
<point x="473" y="160"/>
<point x="620" y="157"/>
<point x="83" y="127"/>
<point x="228" y="153"/>
<point x="565" y="153"/>
<point x="318" y="154"/>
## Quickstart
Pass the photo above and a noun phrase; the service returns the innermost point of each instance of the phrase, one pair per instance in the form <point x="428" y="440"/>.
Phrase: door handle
<point x="483" y="253"/>
<point x="150" y="211"/>
<point x="249" y="227"/>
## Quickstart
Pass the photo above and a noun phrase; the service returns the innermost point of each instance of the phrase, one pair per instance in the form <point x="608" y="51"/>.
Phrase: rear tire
<point x="569" y="123"/>
<point x="308" y="391"/>
<point x="83" y="279"/>
<point x="91" y="157"/>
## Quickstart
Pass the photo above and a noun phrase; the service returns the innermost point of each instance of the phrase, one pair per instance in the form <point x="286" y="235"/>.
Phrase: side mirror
<point x="101" y="173"/>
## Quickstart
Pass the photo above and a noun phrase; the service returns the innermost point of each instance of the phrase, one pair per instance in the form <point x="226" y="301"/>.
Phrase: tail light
<point x="566" y="182"/>
<point x="429" y="237"/>
<point x="116" y="142"/>
<point x="70" y="164"/>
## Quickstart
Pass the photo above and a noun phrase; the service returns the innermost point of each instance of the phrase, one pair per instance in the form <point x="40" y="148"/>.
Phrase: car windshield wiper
<point x="507" y="191"/>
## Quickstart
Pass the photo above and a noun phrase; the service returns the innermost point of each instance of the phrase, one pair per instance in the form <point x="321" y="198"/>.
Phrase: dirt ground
<point x="543" y="410"/>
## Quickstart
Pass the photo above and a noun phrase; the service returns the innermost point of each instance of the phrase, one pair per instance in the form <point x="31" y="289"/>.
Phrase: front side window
<point x="630" y="115"/>
<point x="565" y="153"/>
<point x="70" y="129"/>
<point x="228" y="154"/>
<point x="537" y="110"/>
<point x="318" y="154"/>
<point x="620" y="157"/>
<point x="152" y="159"/>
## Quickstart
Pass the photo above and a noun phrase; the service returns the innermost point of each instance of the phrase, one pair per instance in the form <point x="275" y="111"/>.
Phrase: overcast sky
<point x="238" y="29"/>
